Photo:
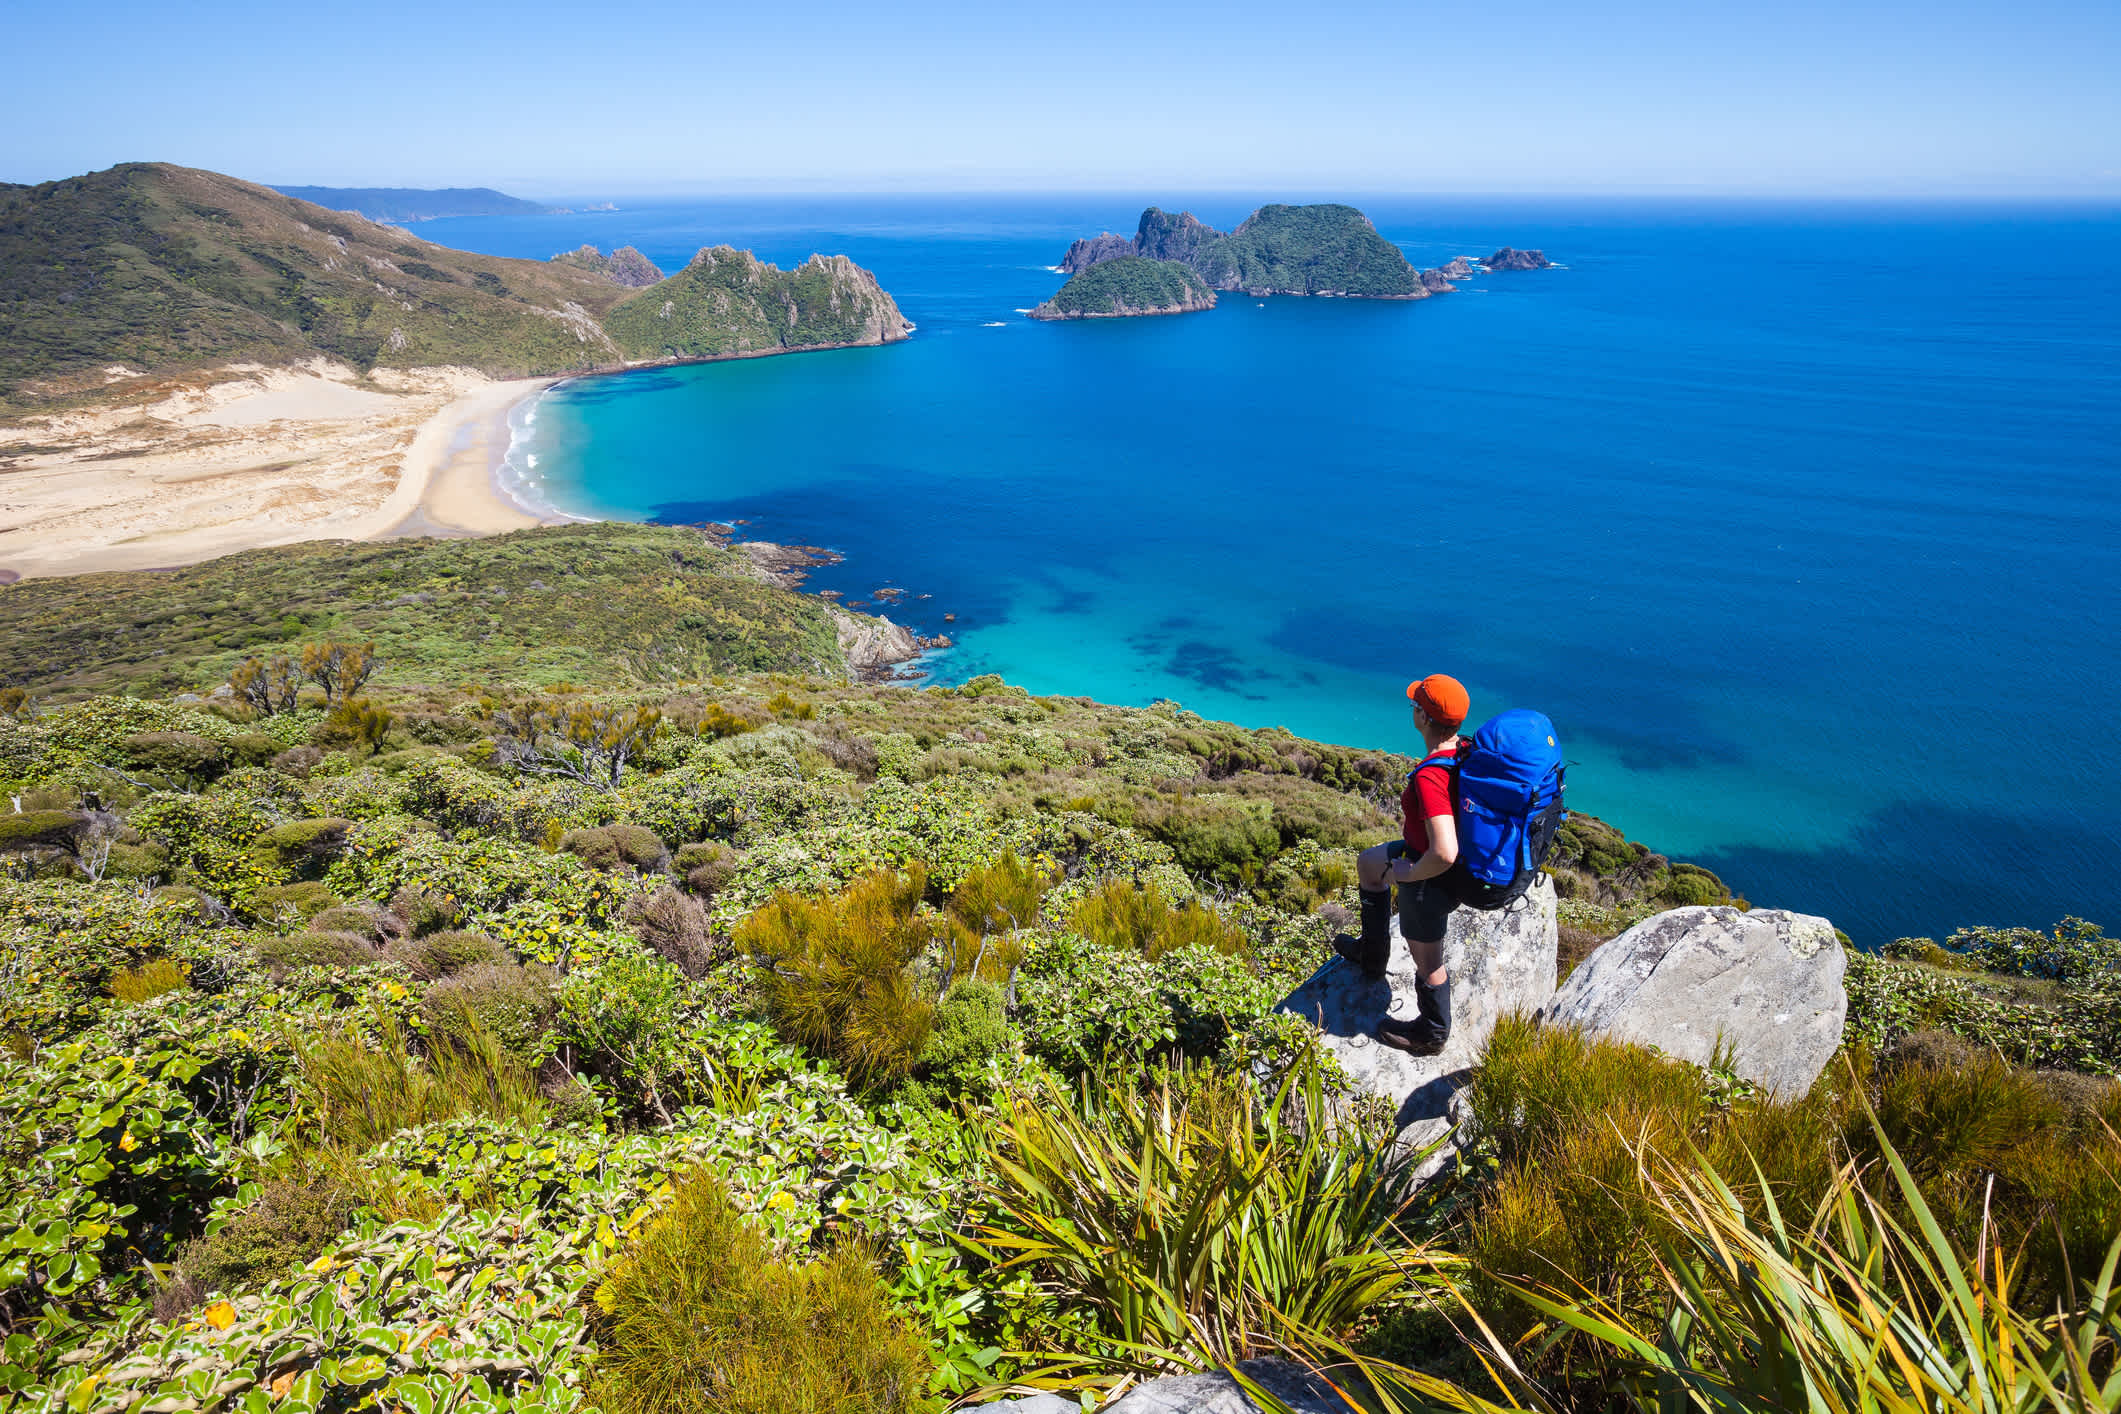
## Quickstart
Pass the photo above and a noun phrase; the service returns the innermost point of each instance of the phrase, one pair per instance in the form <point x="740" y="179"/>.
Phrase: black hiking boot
<point x="1427" y="1032"/>
<point x="1372" y="952"/>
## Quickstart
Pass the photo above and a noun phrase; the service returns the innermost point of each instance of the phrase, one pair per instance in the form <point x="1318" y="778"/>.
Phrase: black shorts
<point x="1425" y="905"/>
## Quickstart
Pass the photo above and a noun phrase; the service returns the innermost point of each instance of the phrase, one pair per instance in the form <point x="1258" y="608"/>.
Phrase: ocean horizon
<point x="1799" y="518"/>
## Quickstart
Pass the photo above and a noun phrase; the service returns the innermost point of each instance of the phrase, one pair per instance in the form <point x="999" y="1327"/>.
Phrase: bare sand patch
<point x="245" y="457"/>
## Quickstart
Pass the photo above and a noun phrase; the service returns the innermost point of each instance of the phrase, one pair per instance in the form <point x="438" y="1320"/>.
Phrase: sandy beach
<point x="184" y="470"/>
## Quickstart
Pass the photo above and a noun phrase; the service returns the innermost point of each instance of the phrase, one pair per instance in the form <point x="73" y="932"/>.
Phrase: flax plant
<point x="1198" y="1223"/>
<point x="1854" y="1312"/>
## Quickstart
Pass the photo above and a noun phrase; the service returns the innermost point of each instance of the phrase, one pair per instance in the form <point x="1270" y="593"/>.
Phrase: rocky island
<point x="624" y="267"/>
<point x="1509" y="258"/>
<point x="1126" y="286"/>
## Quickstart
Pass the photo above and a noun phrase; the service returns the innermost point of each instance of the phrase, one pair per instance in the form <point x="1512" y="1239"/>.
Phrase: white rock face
<point x="1217" y="1393"/>
<point x="1767" y="983"/>
<point x="1499" y="963"/>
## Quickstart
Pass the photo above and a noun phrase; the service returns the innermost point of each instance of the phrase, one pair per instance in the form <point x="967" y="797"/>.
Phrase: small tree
<point x="339" y="668"/>
<point x="583" y="741"/>
<point x="267" y="685"/>
<point x="363" y="723"/>
<point x="989" y="910"/>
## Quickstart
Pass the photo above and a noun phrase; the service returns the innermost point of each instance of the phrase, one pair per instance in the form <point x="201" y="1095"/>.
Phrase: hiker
<point x="1476" y="822"/>
<point x="1424" y="863"/>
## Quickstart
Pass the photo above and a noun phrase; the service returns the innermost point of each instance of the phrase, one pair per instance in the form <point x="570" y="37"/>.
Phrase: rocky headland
<point x="624" y="267"/>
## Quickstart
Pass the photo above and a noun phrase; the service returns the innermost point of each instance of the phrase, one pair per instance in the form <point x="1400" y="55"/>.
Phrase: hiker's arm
<point x="1441" y="855"/>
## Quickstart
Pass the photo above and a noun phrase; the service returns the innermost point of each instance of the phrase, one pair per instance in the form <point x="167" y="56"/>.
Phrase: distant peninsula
<point x="1327" y="249"/>
<point x="1129" y="285"/>
<point x="399" y="205"/>
<point x="148" y="269"/>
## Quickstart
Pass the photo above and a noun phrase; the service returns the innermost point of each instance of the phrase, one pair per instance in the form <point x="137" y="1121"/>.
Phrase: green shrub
<point x="698" y="1313"/>
<point x="1123" y="915"/>
<point x="358" y="919"/>
<point x="133" y="985"/>
<point x="341" y="950"/>
<point x="836" y="973"/>
<point x="511" y="1002"/>
<point x="305" y="844"/>
<point x="971" y="1031"/>
<point x="303" y="901"/>
<point x="1689" y="885"/>
<point x="136" y="861"/>
<point x="439" y="955"/>
<point x="185" y="755"/>
<point x="610" y="847"/>
<point x="706" y="867"/>
<point x="288" y="1225"/>
<point x="2074" y="952"/>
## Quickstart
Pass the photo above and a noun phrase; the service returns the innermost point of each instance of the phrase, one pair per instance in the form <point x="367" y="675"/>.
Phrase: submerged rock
<point x="1499" y="963"/>
<point x="1767" y="984"/>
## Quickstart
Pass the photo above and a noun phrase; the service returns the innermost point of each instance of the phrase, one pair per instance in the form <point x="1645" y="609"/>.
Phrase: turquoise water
<point x="1802" y="523"/>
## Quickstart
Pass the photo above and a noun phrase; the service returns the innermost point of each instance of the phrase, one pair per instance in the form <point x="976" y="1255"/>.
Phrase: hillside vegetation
<point x="1128" y="286"/>
<point x="394" y="1030"/>
<point x="153" y="268"/>
<point x="601" y="602"/>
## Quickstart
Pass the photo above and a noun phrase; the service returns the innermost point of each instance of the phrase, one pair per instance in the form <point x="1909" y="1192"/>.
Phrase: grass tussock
<point x="362" y="1091"/>
<point x="132" y="985"/>
<point x="1126" y="916"/>
<point x="699" y="1313"/>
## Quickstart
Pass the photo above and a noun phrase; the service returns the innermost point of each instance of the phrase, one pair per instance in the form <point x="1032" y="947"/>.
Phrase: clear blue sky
<point x="585" y="99"/>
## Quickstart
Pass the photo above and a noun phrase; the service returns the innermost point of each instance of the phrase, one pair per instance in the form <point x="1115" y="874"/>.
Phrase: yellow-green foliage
<point x="363" y="1091"/>
<point x="1568" y="1119"/>
<point x="700" y="1314"/>
<point x="133" y="985"/>
<point x="836" y="973"/>
<point x="989" y="911"/>
<point x="1125" y="916"/>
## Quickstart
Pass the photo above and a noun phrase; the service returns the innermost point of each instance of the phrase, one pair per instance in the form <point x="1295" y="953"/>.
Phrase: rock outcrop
<point x="1499" y="963"/>
<point x="1213" y="1393"/>
<point x="1456" y="268"/>
<point x="624" y="267"/>
<point x="1765" y="984"/>
<point x="1509" y="258"/>
<point x="1095" y="251"/>
<point x="872" y="647"/>
<point x="1436" y="282"/>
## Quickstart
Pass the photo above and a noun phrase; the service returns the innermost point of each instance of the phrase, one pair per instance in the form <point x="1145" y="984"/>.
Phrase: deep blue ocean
<point x="1802" y="522"/>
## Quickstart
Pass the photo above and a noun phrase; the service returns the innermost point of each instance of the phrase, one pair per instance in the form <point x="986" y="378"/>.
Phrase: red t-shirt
<point x="1427" y="794"/>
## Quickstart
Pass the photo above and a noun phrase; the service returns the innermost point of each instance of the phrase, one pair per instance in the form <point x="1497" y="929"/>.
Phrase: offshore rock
<point x="1436" y="282"/>
<point x="1456" y="268"/>
<point x="1216" y="1393"/>
<point x="1499" y="963"/>
<point x="1509" y="258"/>
<point x="1766" y="984"/>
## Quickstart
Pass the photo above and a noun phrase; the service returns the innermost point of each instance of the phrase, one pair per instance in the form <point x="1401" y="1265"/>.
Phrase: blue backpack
<point x="1509" y="806"/>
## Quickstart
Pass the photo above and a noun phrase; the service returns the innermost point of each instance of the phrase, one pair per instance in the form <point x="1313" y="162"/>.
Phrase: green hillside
<point x="471" y="1042"/>
<point x="1325" y="249"/>
<point x="601" y="602"/>
<point x="727" y="302"/>
<point x="159" y="268"/>
<point x="1130" y="285"/>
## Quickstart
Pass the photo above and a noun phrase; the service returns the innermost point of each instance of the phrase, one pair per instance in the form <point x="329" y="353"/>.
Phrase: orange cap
<point x="1442" y="697"/>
